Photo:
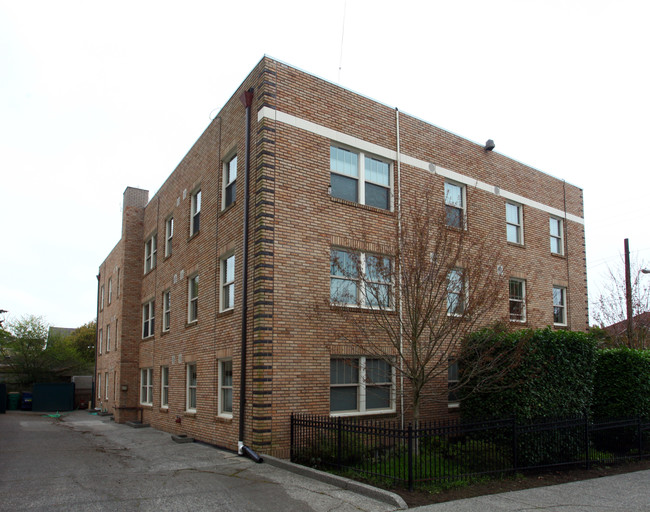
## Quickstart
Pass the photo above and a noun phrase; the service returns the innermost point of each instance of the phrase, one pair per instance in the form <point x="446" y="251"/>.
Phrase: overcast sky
<point x="98" y="96"/>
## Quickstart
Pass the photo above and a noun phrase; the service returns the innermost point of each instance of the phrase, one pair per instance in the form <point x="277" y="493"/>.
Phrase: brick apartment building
<point x="322" y="166"/>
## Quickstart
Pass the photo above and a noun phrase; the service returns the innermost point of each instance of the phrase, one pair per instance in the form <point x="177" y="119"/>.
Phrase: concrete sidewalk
<point x="628" y="492"/>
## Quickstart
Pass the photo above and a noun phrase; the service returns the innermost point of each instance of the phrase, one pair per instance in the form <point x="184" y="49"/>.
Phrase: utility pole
<point x="628" y="293"/>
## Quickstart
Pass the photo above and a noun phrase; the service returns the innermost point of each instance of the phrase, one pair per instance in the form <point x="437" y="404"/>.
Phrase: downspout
<point x="247" y="100"/>
<point x="94" y="391"/>
<point x="399" y="270"/>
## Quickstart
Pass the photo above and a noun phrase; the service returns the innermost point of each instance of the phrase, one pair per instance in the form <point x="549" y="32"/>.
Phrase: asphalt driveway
<point x="83" y="462"/>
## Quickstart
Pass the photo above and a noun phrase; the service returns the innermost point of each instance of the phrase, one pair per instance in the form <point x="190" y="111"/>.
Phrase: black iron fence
<point x="383" y="452"/>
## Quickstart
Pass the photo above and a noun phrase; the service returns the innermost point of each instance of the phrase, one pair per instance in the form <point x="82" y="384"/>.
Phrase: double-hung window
<point x="559" y="305"/>
<point x="193" y="299"/>
<point x="456" y="296"/>
<point x="360" y="279"/>
<point x="169" y="234"/>
<point x="106" y="385"/>
<point x="557" y="235"/>
<point x="164" y="386"/>
<point x="101" y="298"/>
<point x="228" y="283"/>
<point x="110" y="290"/>
<point x="514" y="230"/>
<point x="360" y="178"/>
<point x="517" y="300"/>
<point x="229" y="181"/>
<point x="191" y="388"/>
<point x="225" y="388"/>
<point x="452" y="383"/>
<point x="361" y="385"/>
<point x="148" y="313"/>
<point x="167" y="313"/>
<point x="99" y="385"/>
<point x="101" y="342"/>
<point x="150" y="254"/>
<point x="454" y="205"/>
<point x="146" y="386"/>
<point x="195" y="213"/>
<point x="108" y="337"/>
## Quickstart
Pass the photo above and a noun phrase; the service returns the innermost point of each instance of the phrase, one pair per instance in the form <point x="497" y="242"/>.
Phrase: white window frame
<point x="108" y="338"/>
<point x="99" y="385"/>
<point x="518" y="226"/>
<point x="101" y="340"/>
<point x="227" y="284"/>
<point x="169" y="235"/>
<point x="192" y="299"/>
<point x="362" y="385"/>
<point x="462" y="294"/>
<point x="110" y="290"/>
<point x="150" y="253"/>
<point x="148" y="319"/>
<point x="229" y="182"/>
<point x="164" y="387"/>
<point x="117" y="333"/>
<point x="449" y="204"/>
<point x="166" y="319"/>
<point x="559" y="239"/>
<point x="189" y="407"/>
<point x="225" y="388"/>
<point x="195" y="212"/>
<point x="146" y="386"/>
<point x="562" y="305"/>
<point x="106" y="385"/>
<point x="101" y="299"/>
<point x="517" y="300"/>
<point x="364" y="297"/>
<point x="361" y="176"/>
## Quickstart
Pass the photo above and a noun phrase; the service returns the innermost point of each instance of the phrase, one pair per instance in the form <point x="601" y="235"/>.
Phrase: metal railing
<point x="383" y="453"/>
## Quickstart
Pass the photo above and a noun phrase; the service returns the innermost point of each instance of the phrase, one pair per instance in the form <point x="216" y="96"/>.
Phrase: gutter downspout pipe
<point x="247" y="100"/>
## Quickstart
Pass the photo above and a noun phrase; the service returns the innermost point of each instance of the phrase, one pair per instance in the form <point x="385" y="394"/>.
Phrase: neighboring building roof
<point x="639" y="321"/>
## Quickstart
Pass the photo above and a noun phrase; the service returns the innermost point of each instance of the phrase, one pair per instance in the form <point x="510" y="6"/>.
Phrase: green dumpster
<point x="14" y="400"/>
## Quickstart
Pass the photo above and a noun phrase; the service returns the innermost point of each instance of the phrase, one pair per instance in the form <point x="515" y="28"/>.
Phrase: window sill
<point x="224" y="419"/>
<point x="226" y="312"/>
<point x="146" y="406"/>
<point x="191" y="324"/>
<point x="560" y="326"/>
<point x="193" y="236"/>
<point x="453" y="405"/>
<point x="228" y="208"/>
<point x="149" y="337"/>
<point x="164" y="410"/>
<point x="164" y="333"/>
<point x="189" y="414"/>
<point x="376" y="412"/>
<point x="356" y="307"/>
<point x="362" y="206"/>
<point x="515" y="244"/>
<point x="556" y="255"/>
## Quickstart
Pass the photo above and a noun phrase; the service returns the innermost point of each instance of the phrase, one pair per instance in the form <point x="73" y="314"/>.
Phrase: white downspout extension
<point x="399" y="269"/>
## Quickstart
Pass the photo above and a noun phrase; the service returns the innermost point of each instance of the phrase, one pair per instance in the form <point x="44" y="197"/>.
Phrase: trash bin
<point x="26" y="401"/>
<point x="14" y="401"/>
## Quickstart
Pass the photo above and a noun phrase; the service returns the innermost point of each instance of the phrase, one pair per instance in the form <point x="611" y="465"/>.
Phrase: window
<point x="110" y="290"/>
<point x="108" y="338"/>
<point x="101" y="298"/>
<point x="559" y="305"/>
<point x="106" y="385"/>
<point x="118" y="283"/>
<point x="229" y="181"/>
<point x="101" y="340"/>
<point x="357" y="177"/>
<point x="117" y="334"/>
<point x="455" y="205"/>
<point x="557" y="235"/>
<point x="513" y="223"/>
<point x="193" y="299"/>
<point x="191" y="387"/>
<point x="348" y="288"/>
<point x="164" y="386"/>
<point x="148" y="319"/>
<point x="452" y="384"/>
<point x="195" y="213"/>
<point x="456" y="292"/>
<point x="150" y="254"/>
<point x="146" y="386"/>
<point x="166" y="310"/>
<point x="361" y="385"/>
<point x="99" y="385"/>
<point x="517" y="300"/>
<point x="169" y="234"/>
<point x="228" y="283"/>
<point x="225" y="388"/>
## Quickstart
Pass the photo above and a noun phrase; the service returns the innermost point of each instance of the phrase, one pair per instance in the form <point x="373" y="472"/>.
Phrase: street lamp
<point x="645" y="270"/>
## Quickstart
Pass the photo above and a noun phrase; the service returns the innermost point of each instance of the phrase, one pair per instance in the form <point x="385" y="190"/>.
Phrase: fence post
<point x="587" y="461"/>
<point x="515" y="442"/>
<point x="410" y="456"/>
<point x="291" y="439"/>
<point x="339" y="442"/>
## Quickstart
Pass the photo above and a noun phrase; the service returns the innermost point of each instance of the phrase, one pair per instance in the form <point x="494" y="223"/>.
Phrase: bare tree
<point x="442" y="281"/>
<point x="610" y="311"/>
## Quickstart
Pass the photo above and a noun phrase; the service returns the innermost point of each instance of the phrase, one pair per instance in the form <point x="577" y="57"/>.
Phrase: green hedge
<point x="622" y="383"/>
<point x="554" y="377"/>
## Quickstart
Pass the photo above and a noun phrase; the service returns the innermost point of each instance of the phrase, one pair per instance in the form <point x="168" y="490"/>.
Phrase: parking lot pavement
<point x="82" y="462"/>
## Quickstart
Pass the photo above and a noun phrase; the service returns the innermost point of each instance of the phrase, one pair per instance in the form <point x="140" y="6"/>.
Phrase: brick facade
<point x="293" y="224"/>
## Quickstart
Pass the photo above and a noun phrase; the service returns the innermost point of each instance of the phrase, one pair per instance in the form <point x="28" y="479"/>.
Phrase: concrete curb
<point x="344" y="483"/>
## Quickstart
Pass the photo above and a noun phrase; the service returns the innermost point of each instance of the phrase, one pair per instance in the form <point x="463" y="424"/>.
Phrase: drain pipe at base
<point x="247" y="100"/>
